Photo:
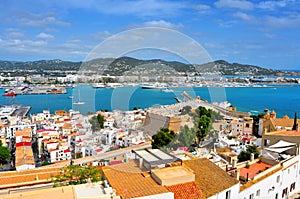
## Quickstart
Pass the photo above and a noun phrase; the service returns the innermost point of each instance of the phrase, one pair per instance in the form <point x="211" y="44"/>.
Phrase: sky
<point x="263" y="33"/>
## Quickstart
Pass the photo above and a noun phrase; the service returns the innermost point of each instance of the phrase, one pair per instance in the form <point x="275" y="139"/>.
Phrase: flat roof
<point x="161" y="154"/>
<point x="146" y="156"/>
<point x="156" y="156"/>
<point x="169" y="173"/>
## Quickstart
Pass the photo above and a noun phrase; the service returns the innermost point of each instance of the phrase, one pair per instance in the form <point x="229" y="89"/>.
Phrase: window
<point x="278" y="179"/>
<point x="258" y="192"/>
<point x="247" y="125"/>
<point x="228" y="194"/>
<point x="284" y="192"/>
<point x="292" y="187"/>
<point x="251" y="196"/>
<point x="276" y="196"/>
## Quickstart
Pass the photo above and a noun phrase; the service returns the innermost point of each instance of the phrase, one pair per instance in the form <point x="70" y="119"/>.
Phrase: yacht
<point x="156" y="85"/>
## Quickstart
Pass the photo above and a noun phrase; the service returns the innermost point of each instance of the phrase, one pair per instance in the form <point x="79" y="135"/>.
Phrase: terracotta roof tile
<point x="284" y="133"/>
<point x="253" y="170"/>
<point x="130" y="185"/>
<point x="9" y="179"/>
<point x="209" y="177"/>
<point x="283" y="122"/>
<point x="188" y="190"/>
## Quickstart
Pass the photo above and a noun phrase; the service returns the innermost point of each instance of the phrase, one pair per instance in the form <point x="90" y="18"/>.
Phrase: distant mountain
<point x="224" y="68"/>
<point x="132" y="66"/>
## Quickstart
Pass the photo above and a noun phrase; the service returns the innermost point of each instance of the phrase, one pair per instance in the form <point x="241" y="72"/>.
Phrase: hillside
<point x="132" y="66"/>
<point x="225" y="68"/>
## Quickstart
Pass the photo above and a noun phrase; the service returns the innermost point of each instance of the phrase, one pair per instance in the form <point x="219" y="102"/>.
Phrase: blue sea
<point x="284" y="99"/>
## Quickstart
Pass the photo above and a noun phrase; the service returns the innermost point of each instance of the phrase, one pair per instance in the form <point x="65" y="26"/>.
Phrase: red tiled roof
<point x="254" y="169"/>
<point x="67" y="151"/>
<point x="23" y="144"/>
<point x="188" y="190"/>
<point x="98" y="150"/>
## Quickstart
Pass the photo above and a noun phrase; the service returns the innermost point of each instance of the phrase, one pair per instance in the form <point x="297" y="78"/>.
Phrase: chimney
<point x="234" y="163"/>
<point x="251" y="157"/>
<point x="141" y="162"/>
<point x="237" y="174"/>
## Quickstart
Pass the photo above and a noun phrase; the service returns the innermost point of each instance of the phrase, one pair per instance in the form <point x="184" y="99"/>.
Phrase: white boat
<point x="154" y="86"/>
<point x="167" y="90"/>
<point x="98" y="85"/>
<point x="79" y="102"/>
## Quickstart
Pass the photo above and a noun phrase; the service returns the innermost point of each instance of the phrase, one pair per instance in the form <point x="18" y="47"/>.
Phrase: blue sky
<point x="264" y="33"/>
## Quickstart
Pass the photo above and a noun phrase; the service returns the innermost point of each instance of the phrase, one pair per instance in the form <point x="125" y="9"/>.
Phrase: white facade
<point x="60" y="154"/>
<point x="280" y="183"/>
<point x="231" y="193"/>
<point x="10" y="131"/>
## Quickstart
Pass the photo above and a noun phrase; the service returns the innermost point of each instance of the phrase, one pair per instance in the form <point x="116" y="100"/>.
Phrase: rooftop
<point x="14" y="178"/>
<point x="137" y="185"/>
<point x="173" y="175"/>
<point x="209" y="177"/>
<point x="284" y="122"/>
<point x="284" y="133"/>
<point x="253" y="170"/>
<point x="188" y="190"/>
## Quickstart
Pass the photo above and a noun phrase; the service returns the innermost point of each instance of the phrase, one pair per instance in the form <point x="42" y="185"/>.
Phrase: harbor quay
<point x="35" y="90"/>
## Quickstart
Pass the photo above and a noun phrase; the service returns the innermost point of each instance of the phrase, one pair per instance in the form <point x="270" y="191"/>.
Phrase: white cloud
<point x="101" y="35"/>
<point x="162" y="24"/>
<point x="39" y="20"/>
<point x="14" y="33"/>
<point x="244" y="16"/>
<point x="201" y="7"/>
<point x="271" y="5"/>
<point x="269" y="36"/>
<point x="227" y="24"/>
<point x="45" y="36"/>
<point x="239" y="4"/>
<point x="127" y="7"/>
<point x="26" y="45"/>
<point x="290" y="21"/>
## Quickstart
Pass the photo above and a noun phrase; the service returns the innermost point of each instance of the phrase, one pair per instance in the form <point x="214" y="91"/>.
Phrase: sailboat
<point x="79" y="102"/>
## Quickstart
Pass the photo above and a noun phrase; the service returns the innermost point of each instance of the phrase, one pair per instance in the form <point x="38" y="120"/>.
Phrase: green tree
<point x="186" y="110"/>
<point x="76" y="174"/>
<point x="185" y="138"/>
<point x="100" y="119"/>
<point x="203" y="126"/>
<point x="200" y="111"/>
<point x="162" y="138"/>
<point x="245" y="155"/>
<point x="4" y="153"/>
<point x="216" y="116"/>
<point x="97" y="122"/>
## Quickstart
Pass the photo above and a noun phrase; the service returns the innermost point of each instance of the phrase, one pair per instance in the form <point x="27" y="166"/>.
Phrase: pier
<point x="38" y="90"/>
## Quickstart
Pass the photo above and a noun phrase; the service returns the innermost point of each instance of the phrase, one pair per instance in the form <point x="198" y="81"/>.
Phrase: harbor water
<point x="284" y="99"/>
